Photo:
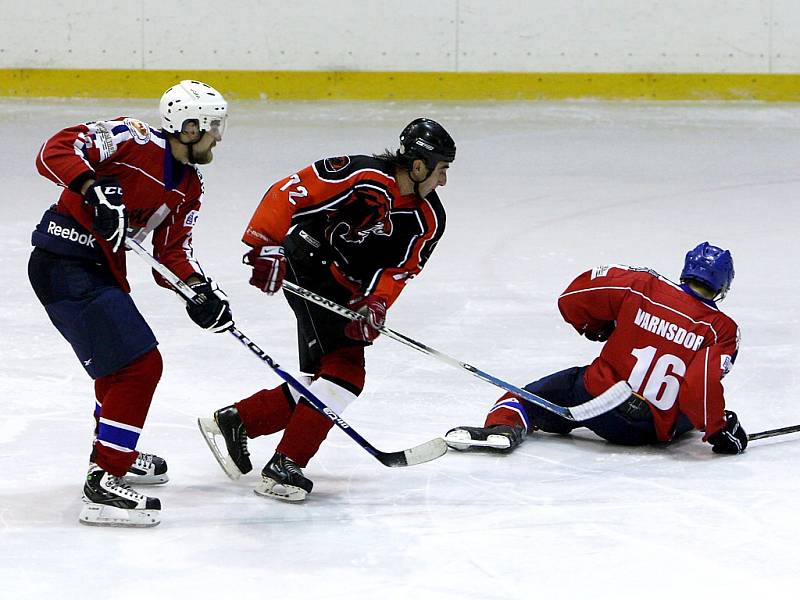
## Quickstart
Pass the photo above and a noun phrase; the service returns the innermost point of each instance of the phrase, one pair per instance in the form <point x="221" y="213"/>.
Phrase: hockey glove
<point x="602" y="334"/>
<point x="110" y="219"/>
<point x="374" y="310"/>
<point x="269" y="267"/>
<point x="732" y="438"/>
<point x="210" y="308"/>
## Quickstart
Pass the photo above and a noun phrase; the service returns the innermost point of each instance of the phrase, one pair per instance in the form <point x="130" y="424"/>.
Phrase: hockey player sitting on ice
<point x="353" y="229"/>
<point x="117" y="173"/>
<point x="669" y="341"/>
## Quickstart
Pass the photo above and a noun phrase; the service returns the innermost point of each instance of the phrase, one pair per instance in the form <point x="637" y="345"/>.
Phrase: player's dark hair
<point x="395" y="159"/>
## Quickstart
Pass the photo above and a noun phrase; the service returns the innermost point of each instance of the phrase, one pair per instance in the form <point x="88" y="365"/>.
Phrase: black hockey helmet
<point x="425" y="139"/>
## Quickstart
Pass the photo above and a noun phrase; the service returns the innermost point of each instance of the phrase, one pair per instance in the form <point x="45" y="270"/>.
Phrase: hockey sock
<point x="508" y="410"/>
<point x="305" y="433"/>
<point x="341" y="379"/>
<point x="101" y="387"/>
<point x="124" y="398"/>
<point x="308" y="427"/>
<point x="267" y="411"/>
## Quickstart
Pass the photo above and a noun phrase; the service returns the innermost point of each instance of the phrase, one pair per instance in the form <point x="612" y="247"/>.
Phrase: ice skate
<point x="227" y="423"/>
<point x="497" y="438"/>
<point x="110" y="502"/>
<point x="147" y="469"/>
<point x="281" y="478"/>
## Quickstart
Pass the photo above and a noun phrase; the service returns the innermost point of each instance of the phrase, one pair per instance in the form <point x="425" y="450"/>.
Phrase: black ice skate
<point x="111" y="502"/>
<point x="497" y="438"/>
<point x="147" y="469"/>
<point x="235" y="461"/>
<point x="281" y="478"/>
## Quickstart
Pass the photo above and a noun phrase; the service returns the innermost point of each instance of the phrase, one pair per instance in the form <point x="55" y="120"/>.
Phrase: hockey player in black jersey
<point x="354" y="229"/>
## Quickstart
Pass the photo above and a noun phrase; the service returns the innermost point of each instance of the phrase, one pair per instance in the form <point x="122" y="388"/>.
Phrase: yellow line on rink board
<point x="391" y="86"/>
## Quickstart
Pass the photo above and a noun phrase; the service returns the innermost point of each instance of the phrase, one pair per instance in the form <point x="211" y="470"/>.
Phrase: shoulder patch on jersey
<point x="104" y="140"/>
<point x="600" y="271"/>
<point x="191" y="218"/>
<point x="641" y="270"/>
<point x="336" y="163"/>
<point x="140" y="131"/>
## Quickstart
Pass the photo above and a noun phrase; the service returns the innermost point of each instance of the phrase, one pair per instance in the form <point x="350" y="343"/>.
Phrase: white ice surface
<point x="539" y="193"/>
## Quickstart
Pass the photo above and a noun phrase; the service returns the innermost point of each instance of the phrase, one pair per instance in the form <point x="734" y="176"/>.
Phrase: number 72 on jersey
<point x="298" y="192"/>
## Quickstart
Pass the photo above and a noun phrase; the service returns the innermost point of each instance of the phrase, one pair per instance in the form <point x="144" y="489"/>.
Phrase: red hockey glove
<point x="374" y="310"/>
<point x="269" y="267"/>
<point x="732" y="438"/>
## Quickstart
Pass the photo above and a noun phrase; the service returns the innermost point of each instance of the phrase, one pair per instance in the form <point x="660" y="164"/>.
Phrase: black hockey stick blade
<point x="773" y="432"/>
<point x="414" y="456"/>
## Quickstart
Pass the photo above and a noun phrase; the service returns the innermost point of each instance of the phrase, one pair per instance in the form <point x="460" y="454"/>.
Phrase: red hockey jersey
<point x="161" y="194"/>
<point x="673" y="347"/>
<point x="377" y="255"/>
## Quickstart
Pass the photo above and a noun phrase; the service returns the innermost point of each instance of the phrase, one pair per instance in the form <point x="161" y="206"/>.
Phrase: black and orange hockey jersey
<point x="379" y="238"/>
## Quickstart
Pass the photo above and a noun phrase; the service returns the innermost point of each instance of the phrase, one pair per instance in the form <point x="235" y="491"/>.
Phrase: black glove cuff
<point x="77" y="183"/>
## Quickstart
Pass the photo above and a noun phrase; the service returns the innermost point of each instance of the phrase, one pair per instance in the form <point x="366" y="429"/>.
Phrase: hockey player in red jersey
<point x="354" y="229"/>
<point x="669" y="341"/>
<point x="115" y="175"/>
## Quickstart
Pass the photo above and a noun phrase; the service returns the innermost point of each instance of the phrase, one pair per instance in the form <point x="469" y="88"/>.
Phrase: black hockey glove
<point x="732" y="438"/>
<point x="602" y="334"/>
<point x="210" y="309"/>
<point x="110" y="219"/>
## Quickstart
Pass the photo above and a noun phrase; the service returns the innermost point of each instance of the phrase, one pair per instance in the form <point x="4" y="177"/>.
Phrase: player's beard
<point x="201" y="157"/>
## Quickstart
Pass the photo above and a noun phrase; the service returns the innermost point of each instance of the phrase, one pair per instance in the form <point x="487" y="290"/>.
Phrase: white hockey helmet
<point x="193" y="100"/>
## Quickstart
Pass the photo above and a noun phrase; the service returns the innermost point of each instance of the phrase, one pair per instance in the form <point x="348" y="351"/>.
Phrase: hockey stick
<point x="611" y="398"/>
<point x="773" y="432"/>
<point x="403" y="458"/>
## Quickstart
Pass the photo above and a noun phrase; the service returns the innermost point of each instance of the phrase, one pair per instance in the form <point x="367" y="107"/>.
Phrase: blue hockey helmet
<point x="710" y="265"/>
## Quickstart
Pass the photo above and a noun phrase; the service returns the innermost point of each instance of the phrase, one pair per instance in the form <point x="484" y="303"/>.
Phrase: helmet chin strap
<point x="416" y="183"/>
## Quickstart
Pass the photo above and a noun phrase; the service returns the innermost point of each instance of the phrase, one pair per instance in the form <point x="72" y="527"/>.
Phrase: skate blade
<point x="270" y="488"/>
<point x="210" y="429"/>
<point x="133" y="479"/>
<point x="98" y="515"/>
<point x="460" y="440"/>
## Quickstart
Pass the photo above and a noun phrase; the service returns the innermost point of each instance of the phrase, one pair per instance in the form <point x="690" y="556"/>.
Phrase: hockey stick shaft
<point x="773" y="432"/>
<point x="422" y="453"/>
<point x="610" y="399"/>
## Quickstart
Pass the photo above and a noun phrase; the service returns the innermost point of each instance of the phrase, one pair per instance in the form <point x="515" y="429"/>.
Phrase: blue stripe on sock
<point x="118" y="436"/>
<point x="516" y="406"/>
